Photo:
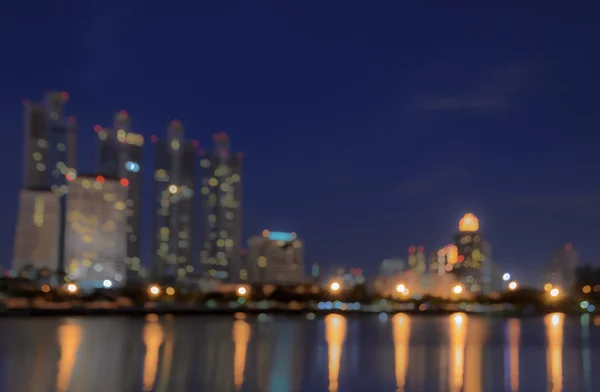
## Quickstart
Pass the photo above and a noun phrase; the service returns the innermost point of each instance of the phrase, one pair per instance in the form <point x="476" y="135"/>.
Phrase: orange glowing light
<point x="468" y="223"/>
<point x="100" y="179"/>
<point x="266" y="233"/>
<point x="451" y="252"/>
<point x="70" y="176"/>
<point x="124" y="181"/>
<point x="586" y="289"/>
<point x="123" y="113"/>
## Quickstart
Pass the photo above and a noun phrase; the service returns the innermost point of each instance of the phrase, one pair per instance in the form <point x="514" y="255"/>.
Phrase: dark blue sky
<point x="366" y="128"/>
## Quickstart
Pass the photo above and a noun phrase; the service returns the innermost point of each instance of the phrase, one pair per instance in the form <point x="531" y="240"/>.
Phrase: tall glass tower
<point x="174" y="184"/>
<point x="120" y="155"/>
<point x="49" y="159"/>
<point x="221" y="217"/>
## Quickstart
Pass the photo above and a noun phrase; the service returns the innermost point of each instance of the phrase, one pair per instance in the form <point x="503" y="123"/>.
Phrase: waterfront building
<point x="276" y="257"/>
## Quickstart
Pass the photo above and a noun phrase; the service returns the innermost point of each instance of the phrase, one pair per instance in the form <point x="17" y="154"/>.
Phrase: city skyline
<point x="483" y="131"/>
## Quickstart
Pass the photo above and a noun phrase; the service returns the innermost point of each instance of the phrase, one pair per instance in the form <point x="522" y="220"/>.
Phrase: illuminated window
<point x="42" y="143"/>
<point x="205" y="163"/>
<point x="40" y="167"/>
<point x="235" y="177"/>
<point x="86" y="184"/>
<point x="213" y="182"/>
<point x="175" y="144"/>
<point x="60" y="147"/>
<point x="37" y="156"/>
<point x="262" y="261"/>
<point x="205" y="190"/>
<point x="212" y="218"/>
<point x="229" y="215"/>
<point x="224" y="187"/>
<point x="132" y="166"/>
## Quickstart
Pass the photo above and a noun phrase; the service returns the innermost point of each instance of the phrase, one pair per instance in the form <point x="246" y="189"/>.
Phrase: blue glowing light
<point x="132" y="166"/>
<point x="280" y="236"/>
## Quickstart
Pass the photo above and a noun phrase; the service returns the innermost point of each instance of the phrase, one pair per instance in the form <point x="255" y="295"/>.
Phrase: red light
<point x="69" y="176"/>
<point x="153" y="138"/>
<point x="412" y="249"/>
<point x="176" y="122"/>
<point x="123" y="113"/>
<point x="97" y="128"/>
<point x="100" y="179"/>
<point x="124" y="181"/>
<point x="64" y="95"/>
<point x="72" y="119"/>
<point x="421" y="248"/>
<point x="195" y="143"/>
<point x="569" y="246"/>
<point x="460" y="258"/>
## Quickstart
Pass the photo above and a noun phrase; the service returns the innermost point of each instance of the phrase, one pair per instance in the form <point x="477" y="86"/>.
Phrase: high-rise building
<point x="276" y="257"/>
<point x="50" y="144"/>
<point x="470" y="263"/>
<point x="174" y="184"/>
<point x="120" y="155"/>
<point x="560" y="271"/>
<point x="391" y="267"/>
<point x="221" y="217"/>
<point x="38" y="230"/>
<point x="50" y="147"/>
<point x="95" y="234"/>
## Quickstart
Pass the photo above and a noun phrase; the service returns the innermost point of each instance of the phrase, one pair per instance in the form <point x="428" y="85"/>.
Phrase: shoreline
<point x="143" y="311"/>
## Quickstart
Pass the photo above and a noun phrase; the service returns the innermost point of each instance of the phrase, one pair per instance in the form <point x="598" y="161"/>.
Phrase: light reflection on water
<point x="335" y="353"/>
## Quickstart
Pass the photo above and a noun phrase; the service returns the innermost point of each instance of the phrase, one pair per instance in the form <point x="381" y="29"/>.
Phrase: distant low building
<point x="416" y="284"/>
<point x="275" y="257"/>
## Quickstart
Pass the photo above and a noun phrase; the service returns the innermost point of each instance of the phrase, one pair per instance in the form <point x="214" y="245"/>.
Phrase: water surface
<point x="280" y="354"/>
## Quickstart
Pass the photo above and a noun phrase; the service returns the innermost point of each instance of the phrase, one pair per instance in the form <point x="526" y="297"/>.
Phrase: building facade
<point x="276" y="258"/>
<point x="221" y="216"/>
<point x="560" y="271"/>
<point x="472" y="265"/>
<point x="120" y="155"/>
<point x="38" y="230"/>
<point x="49" y="157"/>
<point x="174" y="185"/>
<point x="95" y="235"/>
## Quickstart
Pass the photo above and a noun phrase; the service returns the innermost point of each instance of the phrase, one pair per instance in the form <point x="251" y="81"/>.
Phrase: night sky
<point x="366" y="128"/>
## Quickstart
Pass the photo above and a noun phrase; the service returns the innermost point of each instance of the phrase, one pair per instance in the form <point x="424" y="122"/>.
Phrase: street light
<point x="335" y="286"/>
<point x="154" y="290"/>
<point x="457" y="289"/>
<point x="506" y="277"/>
<point x="554" y="292"/>
<point x="170" y="291"/>
<point x="242" y="291"/>
<point x="72" y="288"/>
<point x="512" y="285"/>
<point x="400" y="288"/>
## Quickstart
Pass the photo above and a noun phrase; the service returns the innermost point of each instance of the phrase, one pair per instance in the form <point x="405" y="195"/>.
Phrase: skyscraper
<point x="120" y="155"/>
<point x="471" y="262"/>
<point x="221" y="218"/>
<point x="174" y="169"/>
<point x="50" y="146"/>
<point x="95" y="234"/>
<point x="560" y="271"/>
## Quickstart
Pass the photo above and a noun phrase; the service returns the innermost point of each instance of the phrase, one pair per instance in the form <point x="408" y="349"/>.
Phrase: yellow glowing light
<point x="154" y="290"/>
<point x="468" y="223"/>
<point x="512" y="285"/>
<point x="554" y="292"/>
<point x="72" y="288"/>
<point x="400" y="288"/>
<point x="457" y="289"/>
<point x="173" y="188"/>
<point x="547" y="287"/>
<point x="242" y="291"/>
<point x="45" y="288"/>
<point x="335" y="286"/>
<point x="170" y="291"/>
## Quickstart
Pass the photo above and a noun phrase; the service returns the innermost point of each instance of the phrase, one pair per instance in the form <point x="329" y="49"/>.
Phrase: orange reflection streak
<point x="554" y="327"/>
<point x="401" y="324"/>
<point x="241" y="337"/>
<point x="474" y="355"/>
<point x="458" y="332"/>
<point x="153" y="337"/>
<point x="335" y="335"/>
<point x="514" y="337"/>
<point x="167" y="357"/>
<point x="69" y="338"/>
